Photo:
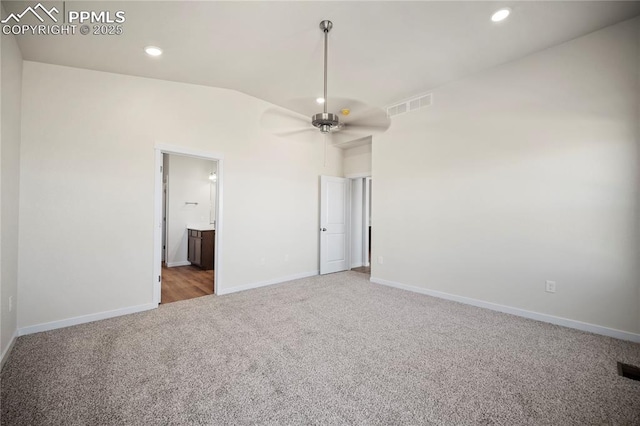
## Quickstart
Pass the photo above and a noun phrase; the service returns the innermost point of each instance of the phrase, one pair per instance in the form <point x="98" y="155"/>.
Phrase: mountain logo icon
<point x="34" y="11"/>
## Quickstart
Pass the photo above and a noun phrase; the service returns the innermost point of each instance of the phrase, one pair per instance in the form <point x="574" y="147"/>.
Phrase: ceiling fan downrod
<point x="325" y="121"/>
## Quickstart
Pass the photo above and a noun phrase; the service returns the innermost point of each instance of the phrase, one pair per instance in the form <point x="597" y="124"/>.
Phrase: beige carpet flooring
<point x="323" y="350"/>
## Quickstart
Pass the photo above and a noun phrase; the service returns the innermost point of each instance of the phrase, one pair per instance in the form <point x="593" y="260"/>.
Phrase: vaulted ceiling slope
<point x="380" y="52"/>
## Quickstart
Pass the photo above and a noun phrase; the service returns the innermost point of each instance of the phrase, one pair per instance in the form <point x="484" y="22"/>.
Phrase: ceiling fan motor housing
<point x="325" y="121"/>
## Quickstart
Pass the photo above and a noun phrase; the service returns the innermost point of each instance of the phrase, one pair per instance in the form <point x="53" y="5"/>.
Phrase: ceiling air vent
<point x="410" y="105"/>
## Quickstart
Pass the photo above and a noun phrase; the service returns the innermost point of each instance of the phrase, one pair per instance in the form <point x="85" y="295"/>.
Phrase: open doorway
<point x="188" y="224"/>
<point x="189" y="201"/>
<point x="361" y="224"/>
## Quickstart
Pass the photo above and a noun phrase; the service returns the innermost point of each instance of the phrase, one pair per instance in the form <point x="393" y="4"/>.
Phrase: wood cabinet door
<point x="191" y="249"/>
<point x="197" y="252"/>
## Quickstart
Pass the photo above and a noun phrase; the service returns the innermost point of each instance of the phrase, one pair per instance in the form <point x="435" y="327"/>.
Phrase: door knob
<point x="323" y="229"/>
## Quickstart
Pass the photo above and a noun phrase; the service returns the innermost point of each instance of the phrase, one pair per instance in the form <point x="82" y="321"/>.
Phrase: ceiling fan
<point x="325" y="121"/>
<point x="353" y="120"/>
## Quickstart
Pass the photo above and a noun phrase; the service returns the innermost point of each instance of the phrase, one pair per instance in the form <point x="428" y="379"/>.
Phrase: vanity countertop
<point x="202" y="227"/>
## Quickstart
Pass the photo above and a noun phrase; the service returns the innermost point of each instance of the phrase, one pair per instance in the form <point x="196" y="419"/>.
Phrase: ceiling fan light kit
<point x="325" y="121"/>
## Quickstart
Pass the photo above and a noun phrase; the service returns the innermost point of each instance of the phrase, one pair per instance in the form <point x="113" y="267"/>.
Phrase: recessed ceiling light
<point x="153" y="51"/>
<point x="501" y="14"/>
<point x="320" y="100"/>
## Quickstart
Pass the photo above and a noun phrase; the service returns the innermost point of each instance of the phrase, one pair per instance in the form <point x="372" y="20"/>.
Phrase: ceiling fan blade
<point x="370" y="129"/>
<point x="337" y="104"/>
<point x="309" y="106"/>
<point x="279" y="118"/>
<point x="294" y="132"/>
<point x="372" y="119"/>
<point x="344" y="137"/>
<point x="347" y="133"/>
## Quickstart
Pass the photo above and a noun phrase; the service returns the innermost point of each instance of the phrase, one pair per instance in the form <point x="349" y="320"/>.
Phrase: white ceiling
<point x="379" y="52"/>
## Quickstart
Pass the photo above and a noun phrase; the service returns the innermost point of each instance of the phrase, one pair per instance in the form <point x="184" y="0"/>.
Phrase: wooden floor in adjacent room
<point x="185" y="282"/>
<point x="363" y="269"/>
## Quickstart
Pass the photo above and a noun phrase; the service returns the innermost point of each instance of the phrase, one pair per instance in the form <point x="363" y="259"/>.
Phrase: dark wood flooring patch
<point x="185" y="282"/>
<point x="629" y="371"/>
<point x="363" y="269"/>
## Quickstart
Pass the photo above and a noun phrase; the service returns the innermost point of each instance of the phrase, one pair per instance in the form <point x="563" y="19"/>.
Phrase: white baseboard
<point x="578" y="325"/>
<point x="7" y="351"/>
<point x="181" y="263"/>
<point x="266" y="283"/>
<point x="84" y="319"/>
<point x="357" y="265"/>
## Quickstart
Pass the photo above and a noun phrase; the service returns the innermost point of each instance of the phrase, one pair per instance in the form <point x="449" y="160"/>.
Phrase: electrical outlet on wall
<point x="380" y="260"/>
<point x="286" y="257"/>
<point x="550" y="286"/>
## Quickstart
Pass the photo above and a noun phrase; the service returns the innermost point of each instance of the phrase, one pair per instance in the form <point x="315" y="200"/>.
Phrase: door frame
<point x="365" y="221"/>
<point x="161" y="148"/>
<point x="165" y="214"/>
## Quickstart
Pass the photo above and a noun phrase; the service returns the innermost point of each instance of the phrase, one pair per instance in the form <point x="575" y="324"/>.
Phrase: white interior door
<point x="334" y="224"/>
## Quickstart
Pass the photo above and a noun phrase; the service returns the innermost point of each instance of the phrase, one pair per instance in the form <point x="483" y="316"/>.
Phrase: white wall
<point x="188" y="182"/>
<point x="11" y="86"/>
<point x="524" y="173"/>
<point x="357" y="160"/>
<point x="90" y="228"/>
